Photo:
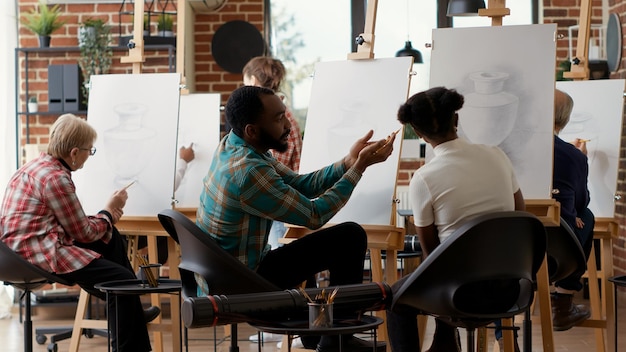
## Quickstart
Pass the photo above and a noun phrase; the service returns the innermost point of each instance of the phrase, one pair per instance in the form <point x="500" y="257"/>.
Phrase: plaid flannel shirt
<point x="245" y="190"/>
<point x="41" y="218"/>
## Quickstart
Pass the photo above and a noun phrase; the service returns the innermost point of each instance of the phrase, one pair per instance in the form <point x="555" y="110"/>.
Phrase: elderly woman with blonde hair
<point x="42" y="220"/>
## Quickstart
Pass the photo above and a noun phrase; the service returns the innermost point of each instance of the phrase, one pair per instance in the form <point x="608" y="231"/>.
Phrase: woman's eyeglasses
<point x="91" y="150"/>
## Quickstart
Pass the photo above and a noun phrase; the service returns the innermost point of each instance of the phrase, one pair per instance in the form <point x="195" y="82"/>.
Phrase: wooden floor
<point x="11" y="335"/>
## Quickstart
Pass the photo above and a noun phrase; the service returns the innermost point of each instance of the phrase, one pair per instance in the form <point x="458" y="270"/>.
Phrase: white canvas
<point x="597" y="116"/>
<point x="136" y="118"/>
<point x="198" y="125"/>
<point x="507" y="77"/>
<point x="348" y="99"/>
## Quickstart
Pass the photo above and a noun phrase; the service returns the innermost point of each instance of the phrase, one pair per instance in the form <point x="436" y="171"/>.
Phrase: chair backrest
<point x="484" y="270"/>
<point x="200" y="254"/>
<point x="20" y="273"/>
<point x="564" y="252"/>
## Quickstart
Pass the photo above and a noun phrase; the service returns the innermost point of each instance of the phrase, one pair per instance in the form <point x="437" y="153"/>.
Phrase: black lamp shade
<point x="408" y="50"/>
<point x="465" y="7"/>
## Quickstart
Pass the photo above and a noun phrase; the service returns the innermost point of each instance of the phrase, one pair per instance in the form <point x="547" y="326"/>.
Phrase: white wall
<point x="8" y="43"/>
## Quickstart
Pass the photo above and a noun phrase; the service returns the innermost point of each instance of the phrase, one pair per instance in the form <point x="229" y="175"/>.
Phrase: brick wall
<point x="209" y="77"/>
<point x="566" y="13"/>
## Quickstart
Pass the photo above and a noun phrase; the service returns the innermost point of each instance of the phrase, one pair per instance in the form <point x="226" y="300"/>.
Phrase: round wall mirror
<point x="614" y="42"/>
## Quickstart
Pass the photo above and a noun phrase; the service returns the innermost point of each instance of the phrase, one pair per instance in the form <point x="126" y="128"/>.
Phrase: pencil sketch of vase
<point x="489" y="113"/>
<point x="581" y="125"/>
<point x="128" y="145"/>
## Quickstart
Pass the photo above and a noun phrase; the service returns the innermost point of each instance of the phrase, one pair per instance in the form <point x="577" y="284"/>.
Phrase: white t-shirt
<point x="461" y="181"/>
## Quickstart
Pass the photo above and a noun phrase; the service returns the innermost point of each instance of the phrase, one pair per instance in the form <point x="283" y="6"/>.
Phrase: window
<point x="305" y="32"/>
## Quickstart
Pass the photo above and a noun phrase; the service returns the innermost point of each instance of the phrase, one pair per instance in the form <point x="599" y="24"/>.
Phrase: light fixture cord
<point x="408" y="37"/>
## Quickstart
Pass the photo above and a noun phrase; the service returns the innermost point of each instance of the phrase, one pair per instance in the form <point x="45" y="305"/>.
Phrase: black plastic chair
<point x="565" y="256"/>
<point x="224" y="274"/>
<point x="17" y="272"/>
<point x="483" y="272"/>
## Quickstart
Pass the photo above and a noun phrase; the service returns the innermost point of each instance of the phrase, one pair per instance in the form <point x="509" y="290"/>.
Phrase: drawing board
<point x="199" y="126"/>
<point x="597" y="117"/>
<point x="348" y="98"/>
<point x="506" y="74"/>
<point x="136" y="118"/>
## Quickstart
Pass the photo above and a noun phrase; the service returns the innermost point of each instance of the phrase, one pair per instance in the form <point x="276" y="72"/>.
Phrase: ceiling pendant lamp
<point x="464" y="7"/>
<point x="408" y="49"/>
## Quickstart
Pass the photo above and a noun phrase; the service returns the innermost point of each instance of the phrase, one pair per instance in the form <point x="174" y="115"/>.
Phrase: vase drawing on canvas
<point x="489" y="113"/>
<point x="128" y="145"/>
<point x="580" y="126"/>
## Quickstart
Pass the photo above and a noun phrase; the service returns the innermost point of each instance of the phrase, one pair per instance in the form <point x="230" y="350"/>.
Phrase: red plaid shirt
<point x="291" y="158"/>
<point x="41" y="217"/>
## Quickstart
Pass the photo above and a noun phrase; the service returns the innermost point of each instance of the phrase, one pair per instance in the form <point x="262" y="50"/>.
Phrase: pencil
<point x="128" y="185"/>
<point x="388" y="139"/>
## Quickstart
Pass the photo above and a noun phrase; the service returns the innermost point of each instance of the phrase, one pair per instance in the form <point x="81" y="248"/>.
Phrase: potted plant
<point x="165" y="24"/>
<point x="32" y="104"/>
<point x="146" y="25"/>
<point x="95" y="51"/>
<point x="88" y="29"/>
<point x="43" y="20"/>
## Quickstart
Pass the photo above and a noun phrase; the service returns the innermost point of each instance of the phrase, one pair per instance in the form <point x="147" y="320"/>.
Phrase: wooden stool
<point x="81" y="322"/>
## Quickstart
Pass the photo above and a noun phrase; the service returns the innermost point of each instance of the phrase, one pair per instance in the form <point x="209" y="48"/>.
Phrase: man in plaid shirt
<point x="246" y="189"/>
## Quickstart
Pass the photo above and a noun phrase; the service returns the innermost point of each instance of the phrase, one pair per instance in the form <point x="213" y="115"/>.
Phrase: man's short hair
<point x="244" y="107"/>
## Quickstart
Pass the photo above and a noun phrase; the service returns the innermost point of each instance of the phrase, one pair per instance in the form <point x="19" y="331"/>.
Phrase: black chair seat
<point x="483" y="272"/>
<point x="19" y="273"/>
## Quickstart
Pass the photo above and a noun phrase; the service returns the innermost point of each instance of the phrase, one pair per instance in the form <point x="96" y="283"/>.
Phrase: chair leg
<point x="233" y="339"/>
<point x="470" y="340"/>
<point x="528" y="331"/>
<point x="28" y="323"/>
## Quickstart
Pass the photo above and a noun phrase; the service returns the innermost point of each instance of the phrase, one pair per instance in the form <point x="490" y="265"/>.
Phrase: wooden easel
<point x="150" y="226"/>
<point x="379" y="237"/>
<point x="496" y="9"/>
<point x="601" y="299"/>
<point x="580" y="64"/>
<point x="547" y="210"/>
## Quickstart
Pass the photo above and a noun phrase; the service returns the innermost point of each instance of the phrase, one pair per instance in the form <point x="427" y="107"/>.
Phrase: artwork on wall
<point x="508" y="85"/>
<point x="349" y="98"/>
<point x="199" y="127"/>
<point x="136" y="118"/>
<point x="597" y="117"/>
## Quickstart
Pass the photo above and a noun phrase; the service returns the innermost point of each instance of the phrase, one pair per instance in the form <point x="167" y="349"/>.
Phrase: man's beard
<point x="275" y="144"/>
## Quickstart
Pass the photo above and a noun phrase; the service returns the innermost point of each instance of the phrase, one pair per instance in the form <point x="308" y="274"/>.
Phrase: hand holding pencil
<point x="117" y="202"/>
<point x="581" y="144"/>
<point x="375" y="152"/>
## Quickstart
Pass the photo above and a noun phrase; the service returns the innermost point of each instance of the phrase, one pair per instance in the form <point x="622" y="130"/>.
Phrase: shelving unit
<point x="26" y="52"/>
<point x="153" y="8"/>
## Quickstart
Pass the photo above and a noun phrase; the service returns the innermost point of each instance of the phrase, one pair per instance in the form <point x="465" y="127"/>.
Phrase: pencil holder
<point x="320" y="315"/>
<point x="150" y="275"/>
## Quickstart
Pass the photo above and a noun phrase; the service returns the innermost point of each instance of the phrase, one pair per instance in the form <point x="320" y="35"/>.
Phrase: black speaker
<point x="64" y="88"/>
